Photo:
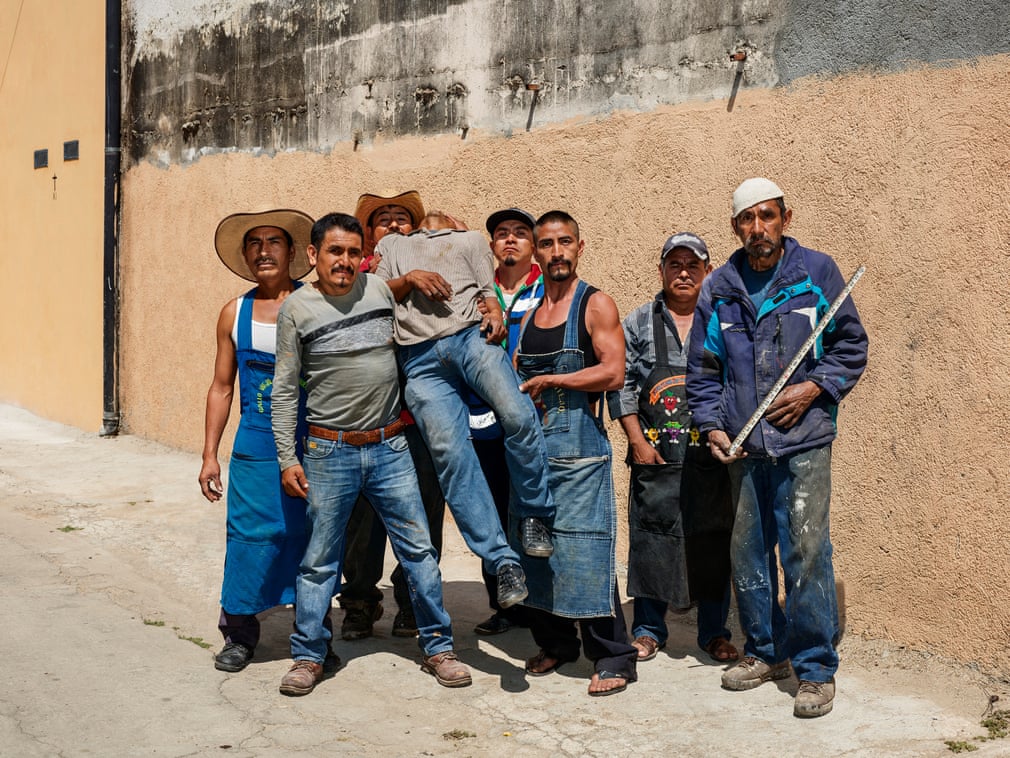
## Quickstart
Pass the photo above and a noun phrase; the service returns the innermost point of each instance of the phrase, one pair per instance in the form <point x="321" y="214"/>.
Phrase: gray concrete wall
<point x="309" y="74"/>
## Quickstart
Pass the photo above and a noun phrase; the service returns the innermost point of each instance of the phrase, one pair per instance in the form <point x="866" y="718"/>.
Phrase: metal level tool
<point x="794" y="363"/>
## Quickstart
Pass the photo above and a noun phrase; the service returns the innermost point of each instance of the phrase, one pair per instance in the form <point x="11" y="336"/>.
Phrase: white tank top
<point x="264" y="336"/>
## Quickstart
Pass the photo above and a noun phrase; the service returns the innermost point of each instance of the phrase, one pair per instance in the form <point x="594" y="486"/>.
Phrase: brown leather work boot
<point x="447" y="669"/>
<point x="301" y="678"/>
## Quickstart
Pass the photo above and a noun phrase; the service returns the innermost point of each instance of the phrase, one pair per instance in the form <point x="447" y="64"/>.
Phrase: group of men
<point x="412" y="373"/>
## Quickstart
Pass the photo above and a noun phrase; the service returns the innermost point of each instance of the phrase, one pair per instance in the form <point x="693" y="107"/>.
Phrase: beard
<point x="761" y="247"/>
<point x="509" y="260"/>
<point x="560" y="273"/>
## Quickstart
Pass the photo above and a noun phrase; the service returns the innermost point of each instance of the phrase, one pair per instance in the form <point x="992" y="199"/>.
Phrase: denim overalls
<point x="266" y="528"/>
<point x="577" y="581"/>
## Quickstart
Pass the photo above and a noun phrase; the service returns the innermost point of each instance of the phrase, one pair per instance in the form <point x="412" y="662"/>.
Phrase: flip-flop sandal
<point x="603" y="675"/>
<point x="539" y="658"/>
<point x="722" y="650"/>
<point x="652" y="647"/>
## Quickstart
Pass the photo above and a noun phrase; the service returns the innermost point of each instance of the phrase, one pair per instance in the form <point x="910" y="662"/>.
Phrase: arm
<point x="604" y="326"/>
<point x="284" y="405"/>
<point x="844" y="345"/>
<point x="219" y="397"/>
<point x="623" y="403"/>
<point x="428" y="283"/>
<point x="705" y="358"/>
<point x="492" y="323"/>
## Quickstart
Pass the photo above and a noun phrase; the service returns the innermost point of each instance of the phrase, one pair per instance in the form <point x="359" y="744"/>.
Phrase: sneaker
<point x="752" y="672"/>
<point x="497" y="624"/>
<point x="535" y="538"/>
<point x="404" y="624"/>
<point x="358" y="620"/>
<point x="233" y="657"/>
<point x="511" y="585"/>
<point x="301" y="678"/>
<point x="447" y="669"/>
<point x="814" y="699"/>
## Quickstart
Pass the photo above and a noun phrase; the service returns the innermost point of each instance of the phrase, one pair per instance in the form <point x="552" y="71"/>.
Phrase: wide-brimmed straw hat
<point x="232" y="230"/>
<point x="368" y="203"/>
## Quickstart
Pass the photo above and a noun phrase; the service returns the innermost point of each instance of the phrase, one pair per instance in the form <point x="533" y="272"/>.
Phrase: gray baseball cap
<point x="509" y="214"/>
<point x="692" y="242"/>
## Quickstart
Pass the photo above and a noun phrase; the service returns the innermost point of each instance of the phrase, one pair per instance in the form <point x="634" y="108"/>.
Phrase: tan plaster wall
<point x="53" y="85"/>
<point x="905" y="172"/>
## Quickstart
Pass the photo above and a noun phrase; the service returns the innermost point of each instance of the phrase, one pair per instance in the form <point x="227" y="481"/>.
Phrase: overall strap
<point x="244" y="341"/>
<point x="659" y="336"/>
<point x="572" y="324"/>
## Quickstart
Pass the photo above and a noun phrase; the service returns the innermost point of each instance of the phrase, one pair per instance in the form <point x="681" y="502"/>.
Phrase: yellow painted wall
<point x="52" y="59"/>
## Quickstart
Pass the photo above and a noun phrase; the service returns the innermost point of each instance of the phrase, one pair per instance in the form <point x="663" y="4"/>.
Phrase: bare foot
<point x="607" y="684"/>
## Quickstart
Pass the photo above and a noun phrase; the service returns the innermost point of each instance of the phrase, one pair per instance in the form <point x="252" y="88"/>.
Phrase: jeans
<point x="366" y="536"/>
<point x="785" y="501"/>
<point x="437" y="371"/>
<point x="650" y="620"/>
<point x="383" y="472"/>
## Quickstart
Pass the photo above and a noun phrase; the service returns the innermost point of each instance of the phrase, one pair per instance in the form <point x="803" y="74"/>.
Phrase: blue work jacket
<point x="737" y="352"/>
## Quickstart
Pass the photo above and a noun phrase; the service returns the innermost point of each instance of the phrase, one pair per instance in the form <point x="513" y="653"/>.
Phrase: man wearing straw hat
<point x="754" y="314"/>
<point x="266" y="528"/>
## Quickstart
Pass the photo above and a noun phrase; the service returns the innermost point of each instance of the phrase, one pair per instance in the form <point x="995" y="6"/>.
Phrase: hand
<point x="456" y="223"/>
<point x="719" y="443"/>
<point x="646" y="454"/>
<point x="429" y="284"/>
<point x="791" y="403"/>
<point x="373" y="262"/>
<point x="493" y="327"/>
<point x="294" y="482"/>
<point x="533" y="387"/>
<point x="210" y="480"/>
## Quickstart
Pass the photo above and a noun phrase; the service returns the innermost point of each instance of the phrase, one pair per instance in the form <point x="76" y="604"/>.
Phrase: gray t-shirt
<point x="463" y="259"/>
<point x="344" y="348"/>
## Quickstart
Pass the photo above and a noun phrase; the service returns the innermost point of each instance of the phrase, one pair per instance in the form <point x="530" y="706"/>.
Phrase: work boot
<point x="233" y="657"/>
<point x="447" y="669"/>
<point x="358" y="619"/>
<point x="404" y="624"/>
<point x="752" y="672"/>
<point x="814" y="699"/>
<point x="511" y="585"/>
<point x="301" y="678"/>
<point x="536" y="539"/>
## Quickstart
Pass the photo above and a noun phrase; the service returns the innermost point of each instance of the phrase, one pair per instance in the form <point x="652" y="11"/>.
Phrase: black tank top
<point x="538" y="341"/>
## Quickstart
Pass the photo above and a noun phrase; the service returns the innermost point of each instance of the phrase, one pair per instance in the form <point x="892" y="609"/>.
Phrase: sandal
<point x="722" y="650"/>
<point x="648" y="647"/>
<point x="603" y="675"/>
<point x="537" y="660"/>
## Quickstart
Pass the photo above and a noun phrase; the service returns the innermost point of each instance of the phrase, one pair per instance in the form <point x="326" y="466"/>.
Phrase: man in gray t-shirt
<point x="338" y="333"/>
<point x="446" y="343"/>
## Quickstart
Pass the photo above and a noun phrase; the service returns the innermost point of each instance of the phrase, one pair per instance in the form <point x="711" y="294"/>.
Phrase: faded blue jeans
<point x="384" y="473"/>
<point x="437" y="372"/>
<point x="786" y="501"/>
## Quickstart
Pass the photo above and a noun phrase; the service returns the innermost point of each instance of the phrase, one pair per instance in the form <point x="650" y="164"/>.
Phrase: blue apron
<point x="266" y="528"/>
<point x="577" y="581"/>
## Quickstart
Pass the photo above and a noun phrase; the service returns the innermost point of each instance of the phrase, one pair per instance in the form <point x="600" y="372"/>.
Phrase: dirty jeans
<point x="384" y="473"/>
<point x="785" y="501"/>
<point x="437" y="372"/>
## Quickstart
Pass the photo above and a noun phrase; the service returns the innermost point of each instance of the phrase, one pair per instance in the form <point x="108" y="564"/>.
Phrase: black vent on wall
<point x="41" y="158"/>
<point x="71" y="150"/>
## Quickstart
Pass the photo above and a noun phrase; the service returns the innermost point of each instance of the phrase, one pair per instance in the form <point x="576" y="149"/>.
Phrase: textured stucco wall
<point x="52" y="63"/>
<point x="904" y="171"/>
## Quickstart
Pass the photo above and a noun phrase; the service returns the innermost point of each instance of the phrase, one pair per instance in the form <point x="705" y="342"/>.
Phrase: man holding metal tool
<point x="754" y="314"/>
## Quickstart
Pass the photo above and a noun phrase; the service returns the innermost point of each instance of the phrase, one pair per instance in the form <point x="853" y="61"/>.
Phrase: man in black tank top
<point x="570" y="352"/>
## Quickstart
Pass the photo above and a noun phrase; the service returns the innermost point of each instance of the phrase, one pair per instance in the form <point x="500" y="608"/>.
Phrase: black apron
<point x="672" y="502"/>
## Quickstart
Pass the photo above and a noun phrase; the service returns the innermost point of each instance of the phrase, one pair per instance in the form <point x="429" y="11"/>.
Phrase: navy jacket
<point x="737" y="354"/>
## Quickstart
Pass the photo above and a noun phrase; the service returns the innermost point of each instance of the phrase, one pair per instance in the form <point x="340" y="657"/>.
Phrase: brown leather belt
<point x="359" y="438"/>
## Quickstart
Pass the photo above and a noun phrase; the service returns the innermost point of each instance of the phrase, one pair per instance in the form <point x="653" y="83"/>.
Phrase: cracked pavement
<point x="111" y="565"/>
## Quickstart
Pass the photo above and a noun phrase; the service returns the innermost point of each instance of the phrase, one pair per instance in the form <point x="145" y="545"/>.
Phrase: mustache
<point x="265" y="259"/>
<point x="341" y="269"/>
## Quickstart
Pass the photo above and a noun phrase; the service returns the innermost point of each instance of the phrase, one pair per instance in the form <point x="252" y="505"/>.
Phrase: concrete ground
<point x="111" y="563"/>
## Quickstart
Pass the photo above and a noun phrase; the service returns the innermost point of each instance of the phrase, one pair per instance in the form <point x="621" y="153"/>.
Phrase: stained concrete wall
<point x="51" y="92"/>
